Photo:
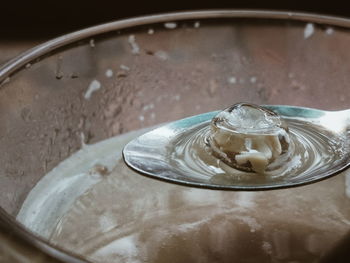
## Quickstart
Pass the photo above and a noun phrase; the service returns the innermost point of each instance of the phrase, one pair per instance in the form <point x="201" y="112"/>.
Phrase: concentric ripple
<point x="314" y="151"/>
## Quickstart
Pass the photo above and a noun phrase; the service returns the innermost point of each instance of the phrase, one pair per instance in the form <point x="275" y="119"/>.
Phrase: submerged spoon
<point x="151" y="154"/>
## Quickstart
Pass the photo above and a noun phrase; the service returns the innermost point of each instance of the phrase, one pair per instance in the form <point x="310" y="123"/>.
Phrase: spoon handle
<point x="337" y="121"/>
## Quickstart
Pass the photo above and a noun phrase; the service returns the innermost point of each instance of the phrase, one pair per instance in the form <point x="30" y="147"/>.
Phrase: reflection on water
<point x="125" y="217"/>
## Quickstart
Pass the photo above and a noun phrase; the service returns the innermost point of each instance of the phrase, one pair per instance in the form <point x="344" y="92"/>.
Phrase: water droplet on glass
<point x="92" y="43"/>
<point x="196" y="24"/>
<point x="135" y="49"/>
<point x="170" y="25"/>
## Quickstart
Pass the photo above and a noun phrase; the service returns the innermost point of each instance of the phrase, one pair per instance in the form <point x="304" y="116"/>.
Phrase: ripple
<point x="313" y="151"/>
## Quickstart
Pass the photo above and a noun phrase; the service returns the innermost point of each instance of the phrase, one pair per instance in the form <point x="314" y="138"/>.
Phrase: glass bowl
<point x="74" y="91"/>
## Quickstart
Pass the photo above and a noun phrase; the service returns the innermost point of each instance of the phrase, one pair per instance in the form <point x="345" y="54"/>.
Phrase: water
<point x="94" y="205"/>
<point x="313" y="149"/>
<point x="248" y="119"/>
<point x="250" y="146"/>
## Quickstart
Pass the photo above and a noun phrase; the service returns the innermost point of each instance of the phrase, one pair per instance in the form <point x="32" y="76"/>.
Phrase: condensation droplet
<point x="170" y="25"/>
<point x="309" y="30"/>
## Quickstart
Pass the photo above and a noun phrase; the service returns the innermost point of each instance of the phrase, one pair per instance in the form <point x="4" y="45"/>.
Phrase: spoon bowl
<point x="151" y="153"/>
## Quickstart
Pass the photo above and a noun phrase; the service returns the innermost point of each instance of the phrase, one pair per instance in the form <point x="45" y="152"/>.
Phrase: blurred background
<point x="24" y="24"/>
<point x="33" y="19"/>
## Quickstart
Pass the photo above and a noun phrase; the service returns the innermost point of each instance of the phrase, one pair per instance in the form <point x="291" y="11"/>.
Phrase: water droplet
<point x="196" y="24"/>
<point x="123" y="67"/>
<point x="253" y="79"/>
<point x="232" y="80"/>
<point x="109" y="73"/>
<point x="94" y="86"/>
<point x="329" y="31"/>
<point x="135" y="49"/>
<point x="121" y="74"/>
<point x="92" y="43"/>
<point x="162" y="55"/>
<point x="309" y="30"/>
<point x="170" y="25"/>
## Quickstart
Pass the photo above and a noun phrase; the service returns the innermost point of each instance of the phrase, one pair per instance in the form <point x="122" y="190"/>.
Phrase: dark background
<point x="46" y="19"/>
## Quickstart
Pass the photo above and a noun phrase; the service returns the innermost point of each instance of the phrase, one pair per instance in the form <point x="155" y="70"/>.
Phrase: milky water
<point x="94" y="205"/>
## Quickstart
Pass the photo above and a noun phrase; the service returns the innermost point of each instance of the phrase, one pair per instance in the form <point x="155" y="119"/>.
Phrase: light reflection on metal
<point x="150" y="154"/>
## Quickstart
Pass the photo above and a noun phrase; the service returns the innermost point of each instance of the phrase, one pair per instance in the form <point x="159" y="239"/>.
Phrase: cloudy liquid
<point x="94" y="205"/>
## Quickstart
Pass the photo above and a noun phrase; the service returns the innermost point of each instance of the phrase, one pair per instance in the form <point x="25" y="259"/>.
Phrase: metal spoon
<point x="147" y="153"/>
